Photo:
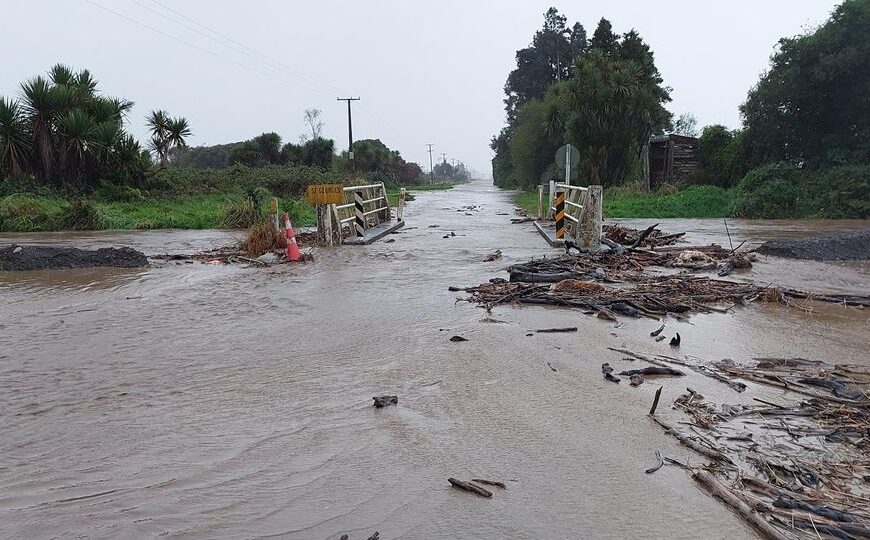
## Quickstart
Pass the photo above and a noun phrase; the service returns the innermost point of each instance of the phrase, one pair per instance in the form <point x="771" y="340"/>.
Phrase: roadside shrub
<point x="783" y="190"/>
<point x="24" y="213"/>
<point x="769" y="192"/>
<point x="843" y="192"/>
<point x="119" y="193"/>
<point x="80" y="215"/>
<point x="242" y="214"/>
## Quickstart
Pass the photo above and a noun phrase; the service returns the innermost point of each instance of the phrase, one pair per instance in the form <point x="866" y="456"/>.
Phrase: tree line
<point x="803" y="148"/>
<point x="62" y="132"/>
<point x="604" y="95"/>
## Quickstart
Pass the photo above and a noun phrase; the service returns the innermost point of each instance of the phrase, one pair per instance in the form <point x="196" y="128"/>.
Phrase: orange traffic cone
<point x="292" y="246"/>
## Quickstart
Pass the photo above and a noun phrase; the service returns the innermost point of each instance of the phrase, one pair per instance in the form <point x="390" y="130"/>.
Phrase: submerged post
<point x="400" y="208"/>
<point x="550" y="196"/>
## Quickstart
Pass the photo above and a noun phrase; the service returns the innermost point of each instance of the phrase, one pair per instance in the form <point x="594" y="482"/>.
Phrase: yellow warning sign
<point x="325" y="194"/>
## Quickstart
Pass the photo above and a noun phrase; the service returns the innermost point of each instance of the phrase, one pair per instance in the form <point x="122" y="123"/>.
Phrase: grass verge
<point x="32" y="213"/>
<point x="692" y="202"/>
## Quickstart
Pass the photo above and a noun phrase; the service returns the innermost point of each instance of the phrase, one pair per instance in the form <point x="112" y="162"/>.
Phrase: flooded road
<point x="205" y="401"/>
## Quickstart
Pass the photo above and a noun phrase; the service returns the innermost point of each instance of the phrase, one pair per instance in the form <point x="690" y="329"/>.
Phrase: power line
<point x="197" y="47"/>
<point x="231" y="43"/>
<point x="254" y="54"/>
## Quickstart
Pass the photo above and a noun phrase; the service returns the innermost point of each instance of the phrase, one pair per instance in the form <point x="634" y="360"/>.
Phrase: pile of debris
<point x="649" y="296"/>
<point x="260" y="247"/>
<point x="791" y="469"/>
<point x="628" y="236"/>
<point x="618" y="281"/>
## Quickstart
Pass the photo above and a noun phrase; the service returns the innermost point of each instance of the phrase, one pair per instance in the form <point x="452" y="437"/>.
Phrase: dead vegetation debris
<point x="793" y="470"/>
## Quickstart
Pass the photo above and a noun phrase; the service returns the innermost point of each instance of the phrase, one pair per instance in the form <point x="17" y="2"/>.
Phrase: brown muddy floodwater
<point x="205" y="401"/>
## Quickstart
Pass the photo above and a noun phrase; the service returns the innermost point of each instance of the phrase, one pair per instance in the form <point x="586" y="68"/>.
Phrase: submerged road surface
<point x="204" y="401"/>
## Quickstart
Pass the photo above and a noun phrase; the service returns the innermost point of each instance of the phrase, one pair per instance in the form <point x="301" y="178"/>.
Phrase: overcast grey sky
<point x="428" y="72"/>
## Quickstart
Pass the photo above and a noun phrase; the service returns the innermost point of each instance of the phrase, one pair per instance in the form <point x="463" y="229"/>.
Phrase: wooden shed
<point x="671" y="157"/>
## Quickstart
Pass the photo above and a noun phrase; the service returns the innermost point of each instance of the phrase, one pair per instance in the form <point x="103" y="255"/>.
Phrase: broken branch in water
<point x="658" y="466"/>
<point x="738" y="505"/>
<point x="655" y="370"/>
<point x="703" y="450"/>
<point x="468" y="486"/>
<point x="557" y="330"/>
<point x="655" y="403"/>
<point x="489" y="482"/>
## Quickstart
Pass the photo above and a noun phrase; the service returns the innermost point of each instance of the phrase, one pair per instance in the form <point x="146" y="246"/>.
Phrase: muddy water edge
<point x="224" y="402"/>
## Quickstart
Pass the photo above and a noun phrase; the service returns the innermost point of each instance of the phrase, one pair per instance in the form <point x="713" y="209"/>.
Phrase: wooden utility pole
<point x="350" y="133"/>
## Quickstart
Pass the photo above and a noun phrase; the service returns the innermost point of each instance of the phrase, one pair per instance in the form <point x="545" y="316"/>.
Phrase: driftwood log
<point x="738" y="505"/>
<point x="468" y="486"/>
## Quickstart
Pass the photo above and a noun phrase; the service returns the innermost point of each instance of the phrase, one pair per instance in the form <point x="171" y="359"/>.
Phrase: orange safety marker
<point x="292" y="246"/>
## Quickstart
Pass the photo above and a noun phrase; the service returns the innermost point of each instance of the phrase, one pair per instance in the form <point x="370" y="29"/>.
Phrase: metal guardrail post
<point x="560" y="215"/>
<point x="359" y="208"/>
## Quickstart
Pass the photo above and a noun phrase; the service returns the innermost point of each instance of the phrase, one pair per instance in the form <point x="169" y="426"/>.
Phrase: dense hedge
<point x="783" y="190"/>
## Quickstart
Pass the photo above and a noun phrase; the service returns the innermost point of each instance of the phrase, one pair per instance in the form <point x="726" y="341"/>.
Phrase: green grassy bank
<point x="692" y="202"/>
<point x="28" y="212"/>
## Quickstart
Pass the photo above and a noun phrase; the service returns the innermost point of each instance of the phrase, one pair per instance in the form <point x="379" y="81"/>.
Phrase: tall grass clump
<point x="80" y="215"/>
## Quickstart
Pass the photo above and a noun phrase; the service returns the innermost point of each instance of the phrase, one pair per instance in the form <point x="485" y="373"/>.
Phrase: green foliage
<point x="242" y="214"/>
<point x="547" y="60"/>
<point x="281" y="180"/>
<point x="378" y="163"/>
<point x="534" y="141"/>
<point x="167" y="134"/>
<point x="63" y="133"/>
<point x="635" y="202"/>
<point x="692" y="202"/>
<point x="813" y="105"/>
<point x="607" y="104"/>
<point x="24" y="213"/>
<point x="118" y="193"/>
<point x="79" y="215"/>
<point x="204" y="157"/>
<point x="783" y="190"/>
<point x="722" y="156"/>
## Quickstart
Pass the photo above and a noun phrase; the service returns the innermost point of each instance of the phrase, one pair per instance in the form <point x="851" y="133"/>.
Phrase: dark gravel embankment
<point x="20" y="258"/>
<point x="851" y="246"/>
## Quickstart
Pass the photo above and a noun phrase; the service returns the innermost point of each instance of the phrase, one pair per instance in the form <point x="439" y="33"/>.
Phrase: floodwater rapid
<point x="201" y="401"/>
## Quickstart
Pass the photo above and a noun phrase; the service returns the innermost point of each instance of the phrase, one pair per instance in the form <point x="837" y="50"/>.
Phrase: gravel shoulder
<point x="851" y="246"/>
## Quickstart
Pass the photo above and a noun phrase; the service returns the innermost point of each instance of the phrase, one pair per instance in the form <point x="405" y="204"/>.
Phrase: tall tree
<point x="14" y="138"/>
<point x="603" y="38"/>
<point x="548" y="59"/>
<point x="313" y="123"/>
<point x="167" y="133"/>
<point x="814" y="103"/>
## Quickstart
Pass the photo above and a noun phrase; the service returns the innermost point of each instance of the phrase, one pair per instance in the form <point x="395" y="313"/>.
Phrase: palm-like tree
<point x="40" y="107"/>
<point x="179" y="130"/>
<point x="63" y="130"/>
<point x="157" y="123"/>
<point x="166" y="133"/>
<point x="14" y="137"/>
<point x="76" y="129"/>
